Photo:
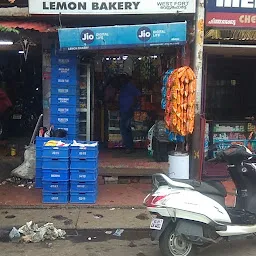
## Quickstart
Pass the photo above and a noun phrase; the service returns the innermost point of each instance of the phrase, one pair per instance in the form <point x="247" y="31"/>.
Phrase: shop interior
<point x="145" y="67"/>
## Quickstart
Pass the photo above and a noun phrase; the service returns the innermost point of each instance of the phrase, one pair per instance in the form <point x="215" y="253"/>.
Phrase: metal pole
<point x="196" y="164"/>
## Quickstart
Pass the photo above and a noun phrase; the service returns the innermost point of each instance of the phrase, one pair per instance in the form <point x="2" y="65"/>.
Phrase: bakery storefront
<point x="141" y="39"/>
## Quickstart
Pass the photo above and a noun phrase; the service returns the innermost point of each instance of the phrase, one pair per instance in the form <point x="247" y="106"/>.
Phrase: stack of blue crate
<point x="39" y="153"/>
<point x="84" y="173"/>
<point x="55" y="170"/>
<point x="65" y="94"/>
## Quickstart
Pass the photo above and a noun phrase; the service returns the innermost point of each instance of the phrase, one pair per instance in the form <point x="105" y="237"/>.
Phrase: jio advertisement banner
<point x="115" y="37"/>
<point x="231" y="13"/>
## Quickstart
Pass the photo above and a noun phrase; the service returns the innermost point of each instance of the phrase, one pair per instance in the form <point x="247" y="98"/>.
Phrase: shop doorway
<point x="21" y="82"/>
<point x="146" y="68"/>
<point x="230" y="104"/>
<point x="144" y="53"/>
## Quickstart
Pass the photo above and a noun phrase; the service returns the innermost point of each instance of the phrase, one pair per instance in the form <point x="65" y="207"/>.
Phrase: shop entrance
<point x="145" y="69"/>
<point x="21" y="96"/>
<point x="144" y="62"/>
<point x="230" y="104"/>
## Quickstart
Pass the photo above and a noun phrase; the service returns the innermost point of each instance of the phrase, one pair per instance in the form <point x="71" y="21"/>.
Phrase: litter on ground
<point x="31" y="233"/>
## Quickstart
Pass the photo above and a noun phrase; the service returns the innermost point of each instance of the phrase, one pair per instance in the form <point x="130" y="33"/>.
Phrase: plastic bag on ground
<point x="31" y="233"/>
<point x="14" y="234"/>
<point x="27" y="169"/>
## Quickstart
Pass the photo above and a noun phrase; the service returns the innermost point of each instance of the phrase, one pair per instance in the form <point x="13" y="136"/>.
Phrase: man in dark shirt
<point x="128" y="100"/>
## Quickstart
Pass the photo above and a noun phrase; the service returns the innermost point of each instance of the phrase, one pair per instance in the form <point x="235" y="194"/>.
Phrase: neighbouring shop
<point x="229" y="78"/>
<point x="21" y="80"/>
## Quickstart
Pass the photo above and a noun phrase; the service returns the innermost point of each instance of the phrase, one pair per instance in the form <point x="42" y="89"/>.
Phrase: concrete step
<point x="131" y="172"/>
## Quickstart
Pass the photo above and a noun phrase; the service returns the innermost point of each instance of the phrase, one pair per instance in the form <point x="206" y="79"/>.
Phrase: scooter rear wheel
<point x="171" y="244"/>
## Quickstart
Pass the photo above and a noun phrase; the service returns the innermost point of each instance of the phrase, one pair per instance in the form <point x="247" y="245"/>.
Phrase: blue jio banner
<point x="163" y="34"/>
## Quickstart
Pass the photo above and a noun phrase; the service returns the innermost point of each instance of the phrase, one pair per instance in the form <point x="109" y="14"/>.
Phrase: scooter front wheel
<point x="171" y="244"/>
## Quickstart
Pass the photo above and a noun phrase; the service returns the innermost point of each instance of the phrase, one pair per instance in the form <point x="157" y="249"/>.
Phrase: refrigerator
<point x="86" y="102"/>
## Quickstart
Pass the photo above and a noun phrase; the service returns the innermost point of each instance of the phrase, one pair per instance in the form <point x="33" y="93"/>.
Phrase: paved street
<point x="131" y="243"/>
<point x="90" y="233"/>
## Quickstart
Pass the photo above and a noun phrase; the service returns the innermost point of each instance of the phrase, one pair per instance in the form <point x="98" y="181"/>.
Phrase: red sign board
<point x="229" y="20"/>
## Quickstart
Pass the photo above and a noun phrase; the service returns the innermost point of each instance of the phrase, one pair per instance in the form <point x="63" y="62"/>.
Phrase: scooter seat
<point x="207" y="187"/>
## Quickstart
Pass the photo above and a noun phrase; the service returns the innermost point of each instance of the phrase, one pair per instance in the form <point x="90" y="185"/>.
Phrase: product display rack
<point x="139" y="128"/>
<point x="85" y="102"/>
<point x="223" y="134"/>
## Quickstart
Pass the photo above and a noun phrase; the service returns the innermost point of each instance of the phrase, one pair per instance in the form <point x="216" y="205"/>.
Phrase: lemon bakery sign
<point x="111" y="7"/>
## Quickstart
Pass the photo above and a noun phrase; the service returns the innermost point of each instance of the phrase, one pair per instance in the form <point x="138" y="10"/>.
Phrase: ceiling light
<point x="6" y="43"/>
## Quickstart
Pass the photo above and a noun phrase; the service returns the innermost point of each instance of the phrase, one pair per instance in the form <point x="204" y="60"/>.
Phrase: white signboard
<point x="111" y="7"/>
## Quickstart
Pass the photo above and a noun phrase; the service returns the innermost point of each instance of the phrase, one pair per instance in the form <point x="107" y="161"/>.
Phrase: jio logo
<point x="87" y="36"/>
<point x="144" y="34"/>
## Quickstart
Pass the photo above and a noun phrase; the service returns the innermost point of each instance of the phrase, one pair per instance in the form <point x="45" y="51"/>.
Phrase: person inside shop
<point x="110" y="92"/>
<point x="128" y="101"/>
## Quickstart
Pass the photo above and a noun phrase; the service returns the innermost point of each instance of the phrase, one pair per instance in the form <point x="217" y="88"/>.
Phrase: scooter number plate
<point x="156" y="224"/>
<point x="16" y="117"/>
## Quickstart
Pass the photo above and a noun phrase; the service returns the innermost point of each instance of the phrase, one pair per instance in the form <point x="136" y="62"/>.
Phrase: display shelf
<point x="139" y="134"/>
<point x="113" y="129"/>
<point x="85" y="101"/>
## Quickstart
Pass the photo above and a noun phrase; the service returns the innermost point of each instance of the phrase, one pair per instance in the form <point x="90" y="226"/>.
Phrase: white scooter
<point x="189" y="215"/>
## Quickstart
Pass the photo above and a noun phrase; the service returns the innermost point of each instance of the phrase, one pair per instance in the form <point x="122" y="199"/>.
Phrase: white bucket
<point x="178" y="165"/>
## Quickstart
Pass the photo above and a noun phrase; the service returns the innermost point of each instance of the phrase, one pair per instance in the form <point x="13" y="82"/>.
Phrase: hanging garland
<point x="180" y="101"/>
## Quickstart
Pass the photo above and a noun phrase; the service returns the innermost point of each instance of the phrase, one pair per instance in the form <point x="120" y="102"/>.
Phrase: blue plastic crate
<point x="84" y="163"/>
<point x="72" y="136"/>
<point x="41" y="140"/>
<point x="89" y="175"/>
<point x="55" y="175"/>
<point x="63" y="109"/>
<point x="64" y="119"/>
<point x="87" y="151"/>
<point x="55" y="163"/>
<point x="55" y="197"/>
<point x="83" y="186"/>
<point x="39" y="162"/>
<point x="64" y="100"/>
<point x="83" y="197"/>
<point x="64" y="70"/>
<point x="38" y="183"/>
<point x="39" y="173"/>
<point x="70" y="129"/>
<point x="55" y="186"/>
<point x="65" y="80"/>
<point x="64" y="90"/>
<point x="56" y="152"/>
<point x="68" y="61"/>
<point x="39" y="152"/>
